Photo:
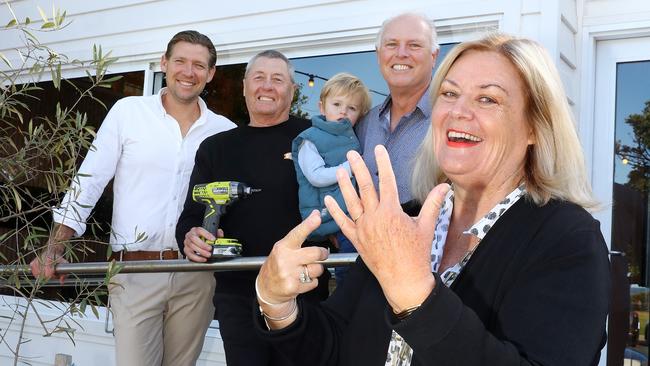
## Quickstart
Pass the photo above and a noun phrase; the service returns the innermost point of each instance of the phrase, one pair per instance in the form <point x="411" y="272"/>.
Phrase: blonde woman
<point x="505" y="266"/>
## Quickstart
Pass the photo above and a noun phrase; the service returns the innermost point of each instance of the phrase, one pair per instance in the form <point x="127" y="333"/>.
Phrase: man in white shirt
<point x="148" y="145"/>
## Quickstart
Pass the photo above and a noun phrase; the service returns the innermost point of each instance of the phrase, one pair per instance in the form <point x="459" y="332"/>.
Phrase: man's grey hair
<point x="273" y="54"/>
<point x="427" y="21"/>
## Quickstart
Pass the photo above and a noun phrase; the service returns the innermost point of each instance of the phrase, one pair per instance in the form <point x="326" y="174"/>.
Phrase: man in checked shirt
<point x="406" y="52"/>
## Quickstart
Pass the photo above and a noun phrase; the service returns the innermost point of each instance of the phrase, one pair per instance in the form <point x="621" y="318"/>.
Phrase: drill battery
<point x="224" y="248"/>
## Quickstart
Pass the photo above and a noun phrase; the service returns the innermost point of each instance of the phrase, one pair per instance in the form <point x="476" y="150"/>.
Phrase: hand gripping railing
<point x="82" y="270"/>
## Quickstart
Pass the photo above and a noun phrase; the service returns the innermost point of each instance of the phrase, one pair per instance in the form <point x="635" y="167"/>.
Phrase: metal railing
<point x="83" y="270"/>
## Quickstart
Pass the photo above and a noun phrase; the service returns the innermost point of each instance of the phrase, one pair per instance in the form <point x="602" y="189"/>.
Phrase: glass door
<point x="623" y="117"/>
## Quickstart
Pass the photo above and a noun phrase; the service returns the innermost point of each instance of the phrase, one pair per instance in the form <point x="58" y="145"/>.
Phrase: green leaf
<point x="61" y="18"/>
<point x="82" y="306"/>
<point x="48" y="25"/>
<point x="6" y="60"/>
<point x="43" y="16"/>
<point x="63" y="329"/>
<point x="11" y="23"/>
<point x="95" y="311"/>
<point x="112" y="79"/>
<point x="19" y="204"/>
<point x="141" y="237"/>
<point x="56" y="76"/>
<point x="29" y="34"/>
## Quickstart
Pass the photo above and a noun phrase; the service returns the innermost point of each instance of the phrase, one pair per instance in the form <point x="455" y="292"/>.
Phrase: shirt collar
<point x="159" y="102"/>
<point x="481" y="228"/>
<point x="424" y="104"/>
<point x="202" y="106"/>
<point x="483" y="225"/>
<point x="383" y="108"/>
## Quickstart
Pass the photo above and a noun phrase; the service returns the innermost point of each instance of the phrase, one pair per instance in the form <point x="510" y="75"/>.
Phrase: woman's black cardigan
<point x="535" y="292"/>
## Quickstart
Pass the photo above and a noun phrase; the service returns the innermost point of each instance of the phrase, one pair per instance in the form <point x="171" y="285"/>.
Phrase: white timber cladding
<point x="137" y="31"/>
<point x="93" y="345"/>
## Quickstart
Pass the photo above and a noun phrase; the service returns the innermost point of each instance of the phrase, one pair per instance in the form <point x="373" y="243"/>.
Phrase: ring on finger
<point x="357" y="218"/>
<point x="304" y="275"/>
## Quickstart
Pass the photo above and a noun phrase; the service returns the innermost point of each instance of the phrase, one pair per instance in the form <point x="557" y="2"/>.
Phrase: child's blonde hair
<point x="349" y="85"/>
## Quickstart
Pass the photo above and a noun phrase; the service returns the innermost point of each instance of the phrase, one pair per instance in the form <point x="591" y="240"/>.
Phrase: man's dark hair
<point x="193" y="37"/>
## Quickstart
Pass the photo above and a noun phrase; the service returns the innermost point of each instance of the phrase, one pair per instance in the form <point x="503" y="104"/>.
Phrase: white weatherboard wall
<point x="94" y="346"/>
<point x="137" y="31"/>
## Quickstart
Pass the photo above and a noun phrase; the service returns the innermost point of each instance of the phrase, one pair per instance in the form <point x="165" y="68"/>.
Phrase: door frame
<point x="609" y="53"/>
<point x="598" y="86"/>
<point x="596" y="126"/>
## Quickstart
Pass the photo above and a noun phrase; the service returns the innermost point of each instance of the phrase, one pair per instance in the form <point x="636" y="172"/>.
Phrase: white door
<point x="621" y="178"/>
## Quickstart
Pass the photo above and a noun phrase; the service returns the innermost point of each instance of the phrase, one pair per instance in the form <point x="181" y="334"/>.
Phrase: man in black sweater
<point x="259" y="155"/>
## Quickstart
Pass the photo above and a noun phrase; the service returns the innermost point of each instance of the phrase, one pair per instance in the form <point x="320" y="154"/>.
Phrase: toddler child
<point x="321" y="150"/>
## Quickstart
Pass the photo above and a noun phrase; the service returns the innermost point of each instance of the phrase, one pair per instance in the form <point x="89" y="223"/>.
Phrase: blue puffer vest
<point x="333" y="140"/>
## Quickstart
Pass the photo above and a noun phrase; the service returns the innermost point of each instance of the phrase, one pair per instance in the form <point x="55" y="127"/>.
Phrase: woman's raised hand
<point x="394" y="246"/>
<point x="289" y="270"/>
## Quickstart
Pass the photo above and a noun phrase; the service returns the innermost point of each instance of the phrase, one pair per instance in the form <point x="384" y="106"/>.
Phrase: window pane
<point x="224" y="95"/>
<point x="42" y="104"/>
<point x="361" y="64"/>
<point x="631" y="181"/>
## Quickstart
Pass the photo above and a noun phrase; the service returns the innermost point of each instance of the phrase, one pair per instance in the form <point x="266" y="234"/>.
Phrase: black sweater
<point x="255" y="156"/>
<point x="535" y="292"/>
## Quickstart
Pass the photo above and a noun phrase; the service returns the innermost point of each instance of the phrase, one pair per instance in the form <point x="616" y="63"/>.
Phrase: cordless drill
<point x="216" y="196"/>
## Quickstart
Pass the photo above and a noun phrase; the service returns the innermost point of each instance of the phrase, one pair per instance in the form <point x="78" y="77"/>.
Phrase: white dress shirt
<point x="142" y="147"/>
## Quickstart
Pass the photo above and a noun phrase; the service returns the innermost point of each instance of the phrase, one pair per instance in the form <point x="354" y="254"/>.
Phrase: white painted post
<point x="61" y="359"/>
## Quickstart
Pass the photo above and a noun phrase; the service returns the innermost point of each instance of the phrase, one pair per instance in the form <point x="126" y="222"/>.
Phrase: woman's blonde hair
<point x="554" y="166"/>
<point x="349" y="85"/>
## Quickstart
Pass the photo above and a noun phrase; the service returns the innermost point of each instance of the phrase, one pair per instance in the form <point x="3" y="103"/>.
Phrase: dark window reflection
<point x="630" y="219"/>
<point x="44" y="105"/>
<point x="361" y="64"/>
<point x="224" y="94"/>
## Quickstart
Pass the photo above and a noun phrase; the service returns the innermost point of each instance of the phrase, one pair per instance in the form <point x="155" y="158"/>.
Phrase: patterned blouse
<point x="399" y="352"/>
